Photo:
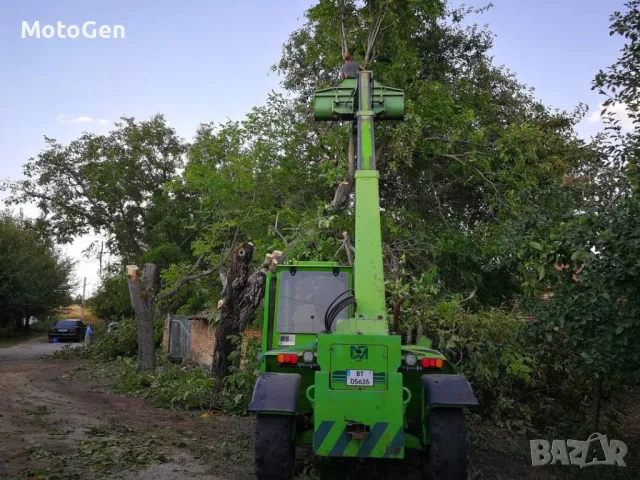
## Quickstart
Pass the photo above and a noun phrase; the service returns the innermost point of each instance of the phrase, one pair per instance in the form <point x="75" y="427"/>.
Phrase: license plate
<point x="287" y="340"/>
<point x="63" y="331"/>
<point x="360" y="378"/>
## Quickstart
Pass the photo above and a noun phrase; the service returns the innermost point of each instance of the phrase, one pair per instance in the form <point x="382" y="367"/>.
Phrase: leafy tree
<point x="620" y="83"/>
<point x="475" y="155"/>
<point x="109" y="184"/>
<point x="111" y="300"/>
<point x="114" y="185"/>
<point x="588" y="260"/>
<point x="35" y="279"/>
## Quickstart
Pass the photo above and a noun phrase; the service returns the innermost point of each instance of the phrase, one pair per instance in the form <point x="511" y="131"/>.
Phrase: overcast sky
<point x="206" y="60"/>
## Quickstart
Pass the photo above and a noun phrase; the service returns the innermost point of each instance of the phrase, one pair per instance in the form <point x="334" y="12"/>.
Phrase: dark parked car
<point x="68" y="329"/>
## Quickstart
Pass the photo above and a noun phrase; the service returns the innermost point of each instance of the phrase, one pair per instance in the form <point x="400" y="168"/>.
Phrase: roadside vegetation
<point x="113" y="358"/>
<point x="35" y="278"/>
<point x="512" y="242"/>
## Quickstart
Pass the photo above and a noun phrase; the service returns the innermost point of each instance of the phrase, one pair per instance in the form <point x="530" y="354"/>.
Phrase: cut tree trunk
<point x="143" y="303"/>
<point x="241" y="296"/>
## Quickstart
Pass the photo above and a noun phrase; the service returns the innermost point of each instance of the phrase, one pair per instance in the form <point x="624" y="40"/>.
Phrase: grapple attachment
<point x="341" y="102"/>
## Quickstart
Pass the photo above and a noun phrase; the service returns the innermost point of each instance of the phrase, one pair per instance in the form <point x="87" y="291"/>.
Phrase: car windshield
<point x="66" y="324"/>
<point x="304" y="298"/>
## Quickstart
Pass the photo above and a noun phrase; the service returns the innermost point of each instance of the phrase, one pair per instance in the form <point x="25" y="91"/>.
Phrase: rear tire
<point x="447" y="456"/>
<point x="274" y="449"/>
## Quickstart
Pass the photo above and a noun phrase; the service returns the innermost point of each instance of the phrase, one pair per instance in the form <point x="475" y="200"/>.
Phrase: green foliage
<point x="123" y="341"/>
<point x="238" y="385"/>
<point x="475" y="154"/>
<point x="620" y="82"/>
<point x="111" y="300"/>
<point x="523" y="378"/>
<point x="587" y="259"/>
<point x="109" y="184"/>
<point x="35" y="278"/>
<point x="488" y="346"/>
<point x="170" y="386"/>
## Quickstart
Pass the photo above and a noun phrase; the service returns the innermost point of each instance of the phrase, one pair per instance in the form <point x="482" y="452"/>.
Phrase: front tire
<point x="274" y="448"/>
<point x="447" y="456"/>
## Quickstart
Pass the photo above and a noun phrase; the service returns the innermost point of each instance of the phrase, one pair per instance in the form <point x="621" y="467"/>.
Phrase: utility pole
<point x="84" y="286"/>
<point x="101" y="249"/>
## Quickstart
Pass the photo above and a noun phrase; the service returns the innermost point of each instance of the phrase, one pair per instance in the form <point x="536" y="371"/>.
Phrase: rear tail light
<point x="288" y="358"/>
<point x="432" y="363"/>
<point x="73" y="330"/>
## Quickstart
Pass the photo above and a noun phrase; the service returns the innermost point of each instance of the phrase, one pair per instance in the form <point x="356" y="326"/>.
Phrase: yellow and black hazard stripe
<point x="326" y="443"/>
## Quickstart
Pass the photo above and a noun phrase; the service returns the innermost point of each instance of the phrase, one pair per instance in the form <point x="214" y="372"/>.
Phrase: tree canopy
<point x="35" y="279"/>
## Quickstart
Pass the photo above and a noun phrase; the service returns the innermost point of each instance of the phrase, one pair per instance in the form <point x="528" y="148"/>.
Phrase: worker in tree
<point x="350" y="68"/>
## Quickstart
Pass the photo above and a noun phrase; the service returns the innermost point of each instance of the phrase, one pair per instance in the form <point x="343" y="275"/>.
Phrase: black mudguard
<point x="441" y="389"/>
<point x="276" y="392"/>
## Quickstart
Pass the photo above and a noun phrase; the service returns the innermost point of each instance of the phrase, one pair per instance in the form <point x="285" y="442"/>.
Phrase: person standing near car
<point x="88" y="337"/>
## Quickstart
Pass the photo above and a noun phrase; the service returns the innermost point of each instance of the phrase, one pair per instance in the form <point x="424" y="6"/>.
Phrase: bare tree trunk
<point x="241" y="296"/>
<point x="143" y="303"/>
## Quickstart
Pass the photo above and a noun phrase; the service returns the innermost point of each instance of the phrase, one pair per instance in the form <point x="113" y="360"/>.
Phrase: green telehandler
<point x="333" y="374"/>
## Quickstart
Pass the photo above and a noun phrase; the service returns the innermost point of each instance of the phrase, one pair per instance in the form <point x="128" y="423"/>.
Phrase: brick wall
<point x="165" y="335"/>
<point x="249" y="334"/>
<point x="203" y="341"/>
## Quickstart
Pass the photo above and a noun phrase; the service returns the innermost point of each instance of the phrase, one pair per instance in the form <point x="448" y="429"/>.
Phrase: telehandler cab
<point x="333" y="375"/>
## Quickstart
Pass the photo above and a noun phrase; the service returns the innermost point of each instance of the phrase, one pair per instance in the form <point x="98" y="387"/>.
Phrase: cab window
<point x="303" y="300"/>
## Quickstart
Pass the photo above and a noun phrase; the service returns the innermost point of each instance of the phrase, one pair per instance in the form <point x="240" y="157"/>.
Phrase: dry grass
<point x="75" y="311"/>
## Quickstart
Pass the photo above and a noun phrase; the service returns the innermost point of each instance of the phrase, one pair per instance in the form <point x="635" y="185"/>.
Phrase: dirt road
<point x="59" y="422"/>
<point x="31" y="348"/>
<point x="52" y="426"/>
<point x="56" y="424"/>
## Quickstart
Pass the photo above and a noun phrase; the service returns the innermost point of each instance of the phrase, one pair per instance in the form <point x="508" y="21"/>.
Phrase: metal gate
<point x="179" y="337"/>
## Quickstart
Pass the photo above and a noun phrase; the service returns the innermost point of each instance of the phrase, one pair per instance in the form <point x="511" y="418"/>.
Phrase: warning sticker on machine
<point x="287" y="340"/>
